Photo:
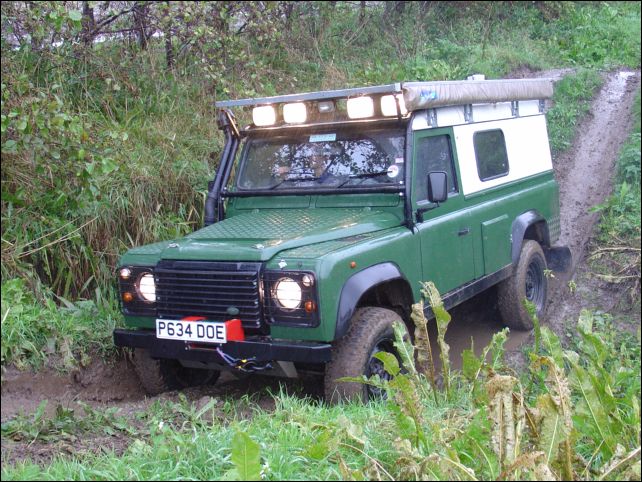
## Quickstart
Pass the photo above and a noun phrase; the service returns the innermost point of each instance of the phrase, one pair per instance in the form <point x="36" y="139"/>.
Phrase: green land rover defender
<point x="326" y="214"/>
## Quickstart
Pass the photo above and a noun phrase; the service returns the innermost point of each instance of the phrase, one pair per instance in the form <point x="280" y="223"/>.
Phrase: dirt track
<point x="585" y="175"/>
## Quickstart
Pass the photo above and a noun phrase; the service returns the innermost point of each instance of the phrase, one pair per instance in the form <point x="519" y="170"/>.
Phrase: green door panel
<point x="496" y="242"/>
<point x="447" y="250"/>
<point x="446" y="232"/>
<point x="493" y="212"/>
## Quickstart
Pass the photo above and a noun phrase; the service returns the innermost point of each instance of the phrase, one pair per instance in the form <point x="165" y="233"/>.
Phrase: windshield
<point x="330" y="160"/>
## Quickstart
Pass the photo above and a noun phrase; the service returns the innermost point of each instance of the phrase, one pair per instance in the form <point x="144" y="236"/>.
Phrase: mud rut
<point x="585" y="175"/>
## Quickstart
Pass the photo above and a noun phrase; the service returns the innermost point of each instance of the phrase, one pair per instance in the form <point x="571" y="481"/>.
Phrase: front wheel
<point x="527" y="282"/>
<point x="161" y="375"/>
<point x="371" y="331"/>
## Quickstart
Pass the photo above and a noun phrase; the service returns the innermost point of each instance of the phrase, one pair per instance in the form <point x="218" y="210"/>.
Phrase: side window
<point x="490" y="152"/>
<point x="433" y="154"/>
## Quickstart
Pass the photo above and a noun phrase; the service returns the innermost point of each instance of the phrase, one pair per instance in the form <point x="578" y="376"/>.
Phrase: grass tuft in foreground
<point x="575" y="415"/>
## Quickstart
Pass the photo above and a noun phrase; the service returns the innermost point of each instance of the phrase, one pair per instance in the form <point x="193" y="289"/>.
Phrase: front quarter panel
<point x="398" y="246"/>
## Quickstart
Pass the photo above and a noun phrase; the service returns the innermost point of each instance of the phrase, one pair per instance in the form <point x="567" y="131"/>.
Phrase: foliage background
<point x="108" y="130"/>
<point x="108" y="141"/>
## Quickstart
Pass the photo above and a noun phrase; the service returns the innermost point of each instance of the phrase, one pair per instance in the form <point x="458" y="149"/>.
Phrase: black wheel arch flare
<point x="358" y="285"/>
<point x="520" y="226"/>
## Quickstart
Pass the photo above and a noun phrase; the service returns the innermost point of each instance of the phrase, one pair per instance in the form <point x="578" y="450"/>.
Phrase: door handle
<point x="463" y="231"/>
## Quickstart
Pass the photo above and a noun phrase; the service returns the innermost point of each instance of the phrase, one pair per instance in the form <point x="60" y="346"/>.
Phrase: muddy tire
<point x="370" y="331"/>
<point x="161" y="375"/>
<point x="527" y="282"/>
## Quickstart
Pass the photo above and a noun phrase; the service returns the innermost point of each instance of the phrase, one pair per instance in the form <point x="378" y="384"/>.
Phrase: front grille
<point x="208" y="289"/>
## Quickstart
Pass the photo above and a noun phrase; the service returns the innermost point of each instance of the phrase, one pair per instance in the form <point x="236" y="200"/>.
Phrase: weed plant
<point x="36" y="334"/>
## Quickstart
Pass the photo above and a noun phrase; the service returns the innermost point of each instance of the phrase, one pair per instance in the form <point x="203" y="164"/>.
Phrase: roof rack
<point x="423" y="95"/>
<point x="320" y="95"/>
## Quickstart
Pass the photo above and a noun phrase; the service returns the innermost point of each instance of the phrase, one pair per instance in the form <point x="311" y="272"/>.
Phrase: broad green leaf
<point x="9" y="146"/>
<point x="246" y="457"/>
<point x="322" y="446"/>
<point x="470" y="364"/>
<point x="552" y="345"/>
<point x="552" y="431"/>
<point x="590" y="414"/>
<point x="108" y="165"/>
<point x="390" y="362"/>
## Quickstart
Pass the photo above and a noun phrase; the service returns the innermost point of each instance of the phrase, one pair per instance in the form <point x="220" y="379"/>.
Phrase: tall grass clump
<point x="571" y="101"/>
<point x="38" y="333"/>
<point x="89" y="171"/>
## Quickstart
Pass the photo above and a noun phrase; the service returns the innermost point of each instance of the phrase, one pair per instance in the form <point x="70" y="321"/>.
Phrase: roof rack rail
<point x="320" y="95"/>
<point x="422" y="95"/>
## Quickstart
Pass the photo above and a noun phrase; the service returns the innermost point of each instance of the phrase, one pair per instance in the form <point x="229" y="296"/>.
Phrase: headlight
<point x="146" y="287"/>
<point x="288" y="293"/>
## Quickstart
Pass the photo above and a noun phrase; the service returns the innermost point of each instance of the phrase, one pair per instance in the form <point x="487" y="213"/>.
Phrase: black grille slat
<point x="176" y="287"/>
<point x="222" y="307"/>
<point x="212" y="298"/>
<point x="203" y="288"/>
<point x="204" y="312"/>
<point x="208" y="279"/>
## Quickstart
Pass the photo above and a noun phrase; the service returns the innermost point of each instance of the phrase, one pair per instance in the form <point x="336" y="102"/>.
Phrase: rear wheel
<point x="371" y="331"/>
<point x="527" y="282"/>
<point x="161" y="375"/>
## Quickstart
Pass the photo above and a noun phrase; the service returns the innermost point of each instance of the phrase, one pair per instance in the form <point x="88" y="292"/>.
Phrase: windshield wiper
<point x="363" y="175"/>
<point x="295" y="179"/>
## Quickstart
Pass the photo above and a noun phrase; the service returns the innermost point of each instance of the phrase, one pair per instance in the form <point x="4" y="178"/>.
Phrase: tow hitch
<point x="246" y="365"/>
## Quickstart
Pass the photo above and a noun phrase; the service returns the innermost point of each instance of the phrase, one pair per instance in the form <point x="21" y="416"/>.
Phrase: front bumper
<point x="259" y="349"/>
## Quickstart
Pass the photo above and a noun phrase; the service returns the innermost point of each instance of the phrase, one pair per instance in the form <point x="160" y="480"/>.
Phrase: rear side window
<point x="490" y="152"/>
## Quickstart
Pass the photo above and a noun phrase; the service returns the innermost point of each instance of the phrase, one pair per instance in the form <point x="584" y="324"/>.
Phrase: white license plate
<point x="199" y="331"/>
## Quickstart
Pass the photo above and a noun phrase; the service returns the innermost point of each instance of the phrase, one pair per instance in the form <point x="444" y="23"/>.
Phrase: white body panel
<point x="528" y="107"/>
<point x="486" y="112"/>
<point x="450" y="116"/>
<point x="527" y="149"/>
<point x="456" y="114"/>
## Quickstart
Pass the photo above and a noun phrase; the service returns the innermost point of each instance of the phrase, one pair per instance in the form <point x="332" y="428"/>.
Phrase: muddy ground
<point x="585" y="173"/>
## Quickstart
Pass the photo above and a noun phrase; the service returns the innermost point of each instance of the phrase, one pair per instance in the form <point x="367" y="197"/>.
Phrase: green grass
<point x="39" y="332"/>
<point x="303" y="439"/>
<point x="175" y="444"/>
<point x="571" y="101"/>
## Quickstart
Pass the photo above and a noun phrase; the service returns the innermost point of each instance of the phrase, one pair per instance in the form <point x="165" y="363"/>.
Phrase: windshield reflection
<point x="330" y="160"/>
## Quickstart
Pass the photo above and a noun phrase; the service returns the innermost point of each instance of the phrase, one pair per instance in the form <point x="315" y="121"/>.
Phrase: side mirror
<point x="437" y="186"/>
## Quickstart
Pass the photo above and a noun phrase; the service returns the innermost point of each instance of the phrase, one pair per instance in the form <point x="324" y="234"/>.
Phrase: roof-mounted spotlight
<point x="264" y="115"/>
<point x="360" y="107"/>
